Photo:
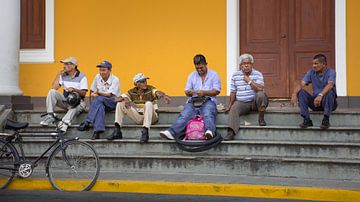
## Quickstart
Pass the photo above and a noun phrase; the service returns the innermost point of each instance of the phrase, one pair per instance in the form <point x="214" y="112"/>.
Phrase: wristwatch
<point x="320" y="94"/>
<point x="250" y="82"/>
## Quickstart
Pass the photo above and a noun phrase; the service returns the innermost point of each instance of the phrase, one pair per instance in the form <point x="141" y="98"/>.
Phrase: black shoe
<point x="117" y="134"/>
<point x="307" y="123"/>
<point x="144" y="135"/>
<point x="96" y="135"/>
<point x="261" y="119"/>
<point x="325" y="124"/>
<point x="84" y="126"/>
<point x="230" y="135"/>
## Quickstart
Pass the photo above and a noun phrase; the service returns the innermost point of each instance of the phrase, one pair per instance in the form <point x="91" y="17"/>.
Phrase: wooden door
<point x="283" y="36"/>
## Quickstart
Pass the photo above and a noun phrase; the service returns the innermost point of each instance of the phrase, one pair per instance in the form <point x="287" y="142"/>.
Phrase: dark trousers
<point x="97" y="110"/>
<point x="306" y="101"/>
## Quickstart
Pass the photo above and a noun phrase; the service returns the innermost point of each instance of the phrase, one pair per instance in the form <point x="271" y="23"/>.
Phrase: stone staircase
<point x="279" y="149"/>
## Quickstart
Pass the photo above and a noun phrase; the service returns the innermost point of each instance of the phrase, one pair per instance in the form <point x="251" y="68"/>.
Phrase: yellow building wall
<point x="352" y="47"/>
<point x="156" y="37"/>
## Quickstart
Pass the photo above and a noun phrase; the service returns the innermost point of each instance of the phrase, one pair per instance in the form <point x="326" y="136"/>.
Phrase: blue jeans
<point x="96" y="114"/>
<point x="208" y="111"/>
<point x="328" y="103"/>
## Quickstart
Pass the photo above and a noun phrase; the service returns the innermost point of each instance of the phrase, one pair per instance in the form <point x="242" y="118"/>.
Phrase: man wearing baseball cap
<point x="72" y="81"/>
<point x="140" y="104"/>
<point x="104" y="89"/>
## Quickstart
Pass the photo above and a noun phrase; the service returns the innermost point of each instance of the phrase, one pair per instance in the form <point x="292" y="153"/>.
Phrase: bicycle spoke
<point x="75" y="162"/>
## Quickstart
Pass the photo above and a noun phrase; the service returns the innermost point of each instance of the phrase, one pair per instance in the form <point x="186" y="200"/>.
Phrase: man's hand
<point x="189" y="93"/>
<point x="227" y="109"/>
<point x="200" y="93"/>
<point x="70" y="89"/>
<point x="293" y="100"/>
<point x="127" y="103"/>
<point x="167" y="99"/>
<point x="95" y="93"/>
<point x="119" y="99"/>
<point x="246" y="78"/>
<point x="317" y="101"/>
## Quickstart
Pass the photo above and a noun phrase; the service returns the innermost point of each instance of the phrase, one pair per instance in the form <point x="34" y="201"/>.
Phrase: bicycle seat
<point x="14" y="125"/>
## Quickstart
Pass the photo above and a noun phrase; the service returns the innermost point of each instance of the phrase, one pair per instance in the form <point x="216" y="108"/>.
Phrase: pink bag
<point x="195" y="129"/>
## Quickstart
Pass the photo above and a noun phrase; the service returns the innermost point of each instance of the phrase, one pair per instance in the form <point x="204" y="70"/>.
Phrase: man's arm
<point x="297" y="88"/>
<point x="162" y="95"/>
<point x="257" y="87"/>
<point x="231" y="101"/>
<point x="211" y="92"/>
<point x="327" y="88"/>
<point x="56" y="83"/>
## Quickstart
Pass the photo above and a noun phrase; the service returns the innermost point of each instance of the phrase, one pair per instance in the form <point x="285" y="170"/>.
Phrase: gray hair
<point x="246" y="56"/>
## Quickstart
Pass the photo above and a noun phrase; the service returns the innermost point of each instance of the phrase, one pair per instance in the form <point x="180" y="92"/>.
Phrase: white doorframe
<point x="233" y="42"/>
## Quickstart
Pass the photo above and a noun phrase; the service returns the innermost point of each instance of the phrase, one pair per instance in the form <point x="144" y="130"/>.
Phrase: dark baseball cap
<point x="105" y="64"/>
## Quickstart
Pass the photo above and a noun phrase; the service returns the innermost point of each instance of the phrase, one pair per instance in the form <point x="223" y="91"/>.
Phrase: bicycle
<point x="68" y="159"/>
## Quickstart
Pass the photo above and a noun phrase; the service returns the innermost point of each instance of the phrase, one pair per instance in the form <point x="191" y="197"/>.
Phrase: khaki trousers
<point x="147" y="118"/>
<point x="242" y="108"/>
<point x="55" y="98"/>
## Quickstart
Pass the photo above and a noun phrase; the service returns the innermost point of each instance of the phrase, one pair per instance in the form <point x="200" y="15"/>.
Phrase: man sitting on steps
<point x="72" y="81"/>
<point x="140" y="104"/>
<point x="324" y="95"/>
<point x="247" y="94"/>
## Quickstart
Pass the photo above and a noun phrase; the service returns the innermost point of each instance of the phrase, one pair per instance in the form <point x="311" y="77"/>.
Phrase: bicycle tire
<point x="83" y="171"/>
<point x="8" y="168"/>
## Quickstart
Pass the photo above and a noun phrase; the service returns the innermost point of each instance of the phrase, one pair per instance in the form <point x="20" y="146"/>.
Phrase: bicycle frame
<point x="22" y="157"/>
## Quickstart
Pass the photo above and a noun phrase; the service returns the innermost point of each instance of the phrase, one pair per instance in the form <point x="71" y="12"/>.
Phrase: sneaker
<point x="209" y="135"/>
<point x="166" y="135"/>
<point x="63" y="126"/>
<point x="325" y="124"/>
<point x="48" y="120"/>
<point x="144" y="135"/>
<point x="307" y="123"/>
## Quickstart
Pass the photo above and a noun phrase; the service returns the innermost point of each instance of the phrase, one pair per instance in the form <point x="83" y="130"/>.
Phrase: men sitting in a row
<point x="140" y="103"/>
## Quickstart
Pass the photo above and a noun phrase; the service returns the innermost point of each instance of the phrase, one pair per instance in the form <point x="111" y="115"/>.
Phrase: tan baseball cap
<point x="70" y="59"/>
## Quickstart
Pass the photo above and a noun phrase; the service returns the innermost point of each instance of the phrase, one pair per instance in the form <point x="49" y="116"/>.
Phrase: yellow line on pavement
<point x="216" y="189"/>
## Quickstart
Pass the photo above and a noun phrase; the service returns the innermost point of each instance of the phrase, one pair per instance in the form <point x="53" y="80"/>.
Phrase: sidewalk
<point x="216" y="185"/>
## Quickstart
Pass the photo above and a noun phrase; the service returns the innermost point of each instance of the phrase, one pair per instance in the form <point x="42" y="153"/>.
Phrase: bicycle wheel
<point x="73" y="167"/>
<point x="8" y="167"/>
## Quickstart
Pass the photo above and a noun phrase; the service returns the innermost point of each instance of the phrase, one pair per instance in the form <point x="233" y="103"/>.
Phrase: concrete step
<point x="275" y="149"/>
<point x="275" y="133"/>
<point x="260" y="166"/>
<point x="274" y="116"/>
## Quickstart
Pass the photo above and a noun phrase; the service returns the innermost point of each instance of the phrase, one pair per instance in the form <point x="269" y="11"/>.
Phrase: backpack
<point x="195" y="129"/>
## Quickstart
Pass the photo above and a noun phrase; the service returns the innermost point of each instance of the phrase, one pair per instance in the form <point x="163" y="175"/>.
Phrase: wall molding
<point x="43" y="55"/>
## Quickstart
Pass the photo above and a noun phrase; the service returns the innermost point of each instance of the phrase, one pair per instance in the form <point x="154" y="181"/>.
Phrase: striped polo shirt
<point x="243" y="90"/>
<point x="78" y="81"/>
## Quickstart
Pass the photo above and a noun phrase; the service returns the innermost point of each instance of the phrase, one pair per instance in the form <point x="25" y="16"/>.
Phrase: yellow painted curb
<point x="242" y="190"/>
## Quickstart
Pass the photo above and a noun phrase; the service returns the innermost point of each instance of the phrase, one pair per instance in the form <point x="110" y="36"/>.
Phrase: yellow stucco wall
<point x="352" y="47"/>
<point x="156" y="37"/>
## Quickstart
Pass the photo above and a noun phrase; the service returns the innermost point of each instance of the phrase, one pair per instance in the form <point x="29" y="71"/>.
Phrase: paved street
<point x="56" y="196"/>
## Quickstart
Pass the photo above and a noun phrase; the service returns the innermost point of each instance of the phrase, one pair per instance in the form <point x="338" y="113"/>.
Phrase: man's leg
<point x="119" y="116"/>
<point x="329" y="104"/>
<point x="261" y="102"/>
<point x="209" y="112"/>
<point x="237" y="109"/>
<point x="179" y="126"/>
<point x="305" y="101"/>
<point x="53" y="98"/>
<point x="70" y="114"/>
<point x="102" y="104"/>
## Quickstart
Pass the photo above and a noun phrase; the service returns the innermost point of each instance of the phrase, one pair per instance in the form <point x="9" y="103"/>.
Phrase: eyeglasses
<point x="246" y="63"/>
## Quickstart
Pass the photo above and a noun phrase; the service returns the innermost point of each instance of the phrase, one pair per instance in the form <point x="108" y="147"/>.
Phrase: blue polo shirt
<point x="320" y="81"/>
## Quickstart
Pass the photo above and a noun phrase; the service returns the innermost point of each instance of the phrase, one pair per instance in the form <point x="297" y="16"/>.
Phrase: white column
<point x="9" y="48"/>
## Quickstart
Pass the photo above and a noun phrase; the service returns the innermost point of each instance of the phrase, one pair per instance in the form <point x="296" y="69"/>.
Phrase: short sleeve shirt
<point x="212" y="81"/>
<point x="112" y="85"/>
<point x="78" y="81"/>
<point x="244" y="92"/>
<point x="320" y="81"/>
